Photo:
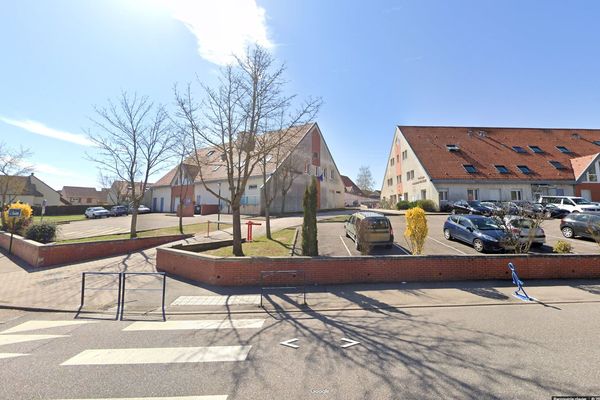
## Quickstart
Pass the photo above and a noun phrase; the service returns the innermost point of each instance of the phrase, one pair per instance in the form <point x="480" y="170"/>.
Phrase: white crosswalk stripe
<point x="34" y="325"/>
<point x="196" y="325"/>
<point x="219" y="397"/>
<point x="11" y="339"/>
<point x="163" y="355"/>
<point x="11" y="355"/>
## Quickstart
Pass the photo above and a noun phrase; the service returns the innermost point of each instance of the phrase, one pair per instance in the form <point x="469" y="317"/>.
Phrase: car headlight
<point x="490" y="238"/>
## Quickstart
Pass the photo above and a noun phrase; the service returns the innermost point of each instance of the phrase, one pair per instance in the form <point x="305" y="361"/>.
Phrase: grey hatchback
<point x="369" y="229"/>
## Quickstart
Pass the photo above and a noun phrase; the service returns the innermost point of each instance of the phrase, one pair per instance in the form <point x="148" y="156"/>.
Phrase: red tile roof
<point x="348" y="183"/>
<point x="486" y="147"/>
<point x="580" y="164"/>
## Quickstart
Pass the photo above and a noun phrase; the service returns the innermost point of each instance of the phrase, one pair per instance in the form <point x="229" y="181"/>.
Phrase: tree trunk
<point x="180" y="218"/>
<point x="268" y="222"/>
<point x="133" y="230"/>
<point x="237" y="230"/>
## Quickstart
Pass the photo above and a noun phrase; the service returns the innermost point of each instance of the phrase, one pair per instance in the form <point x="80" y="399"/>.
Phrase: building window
<point x="502" y="169"/>
<point x="216" y="167"/>
<point x="516" y="195"/>
<point x="252" y="187"/>
<point x="210" y="153"/>
<point x="331" y="173"/>
<point x="470" y="168"/>
<point x="557" y="164"/>
<point x="452" y="147"/>
<point x="398" y="179"/>
<point x="443" y="194"/>
<point x="324" y="174"/>
<point x="397" y="158"/>
<point x="472" y="194"/>
<point x="536" y="149"/>
<point x="563" y="149"/>
<point x="410" y="175"/>
<point x="392" y="161"/>
<point x="404" y="154"/>
<point x="423" y="194"/>
<point x="315" y="156"/>
<point x="524" y="169"/>
<point x="405" y="196"/>
<point x="306" y="166"/>
<point x="390" y="182"/>
<point x="592" y="176"/>
<point x="596" y="142"/>
<point x="519" y="149"/>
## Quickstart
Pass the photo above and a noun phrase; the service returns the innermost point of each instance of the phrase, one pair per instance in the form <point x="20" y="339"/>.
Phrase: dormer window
<point x="596" y="142"/>
<point x="563" y="149"/>
<point x="210" y="153"/>
<point x="524" y="169"/>
<point x="470" y="168"/>
<point x="536" y="149"/>
<point x="519" y="149"/>
<point x="452" y="147"/>
<point x="502" y="169"/>
<point x="216" y="167"/>
<point x="557" y="165"/>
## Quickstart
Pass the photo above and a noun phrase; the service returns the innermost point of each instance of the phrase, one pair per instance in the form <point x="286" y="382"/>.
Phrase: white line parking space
<point x="12" y="339"/>
<point x="166" y="355"/>
<point x="224" y="397"/>
<point x="234" y="300"/>
<point x="196" y="325"/>
<point x="447" y="245"/>
<point x="346" y="247"/>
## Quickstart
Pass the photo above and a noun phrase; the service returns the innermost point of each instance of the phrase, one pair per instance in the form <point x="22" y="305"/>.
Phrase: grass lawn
<point x="281" y="245"/>
<point x="173" y="230"/>
<point x="59" y="218"/>
<point x="337" y="218"/>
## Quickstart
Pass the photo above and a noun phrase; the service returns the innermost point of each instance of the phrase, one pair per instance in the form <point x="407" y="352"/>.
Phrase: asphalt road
<point x="332" y="240"/>
<point x="526" y="351"/>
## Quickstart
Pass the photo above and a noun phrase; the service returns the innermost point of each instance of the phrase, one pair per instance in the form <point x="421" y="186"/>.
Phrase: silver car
<point x="522" y="227"/>
<point x="97" y="212"/>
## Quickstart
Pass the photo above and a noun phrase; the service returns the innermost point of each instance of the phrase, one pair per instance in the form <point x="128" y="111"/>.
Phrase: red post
<point x="208" y="229"/>
<point x="249" y="235"/>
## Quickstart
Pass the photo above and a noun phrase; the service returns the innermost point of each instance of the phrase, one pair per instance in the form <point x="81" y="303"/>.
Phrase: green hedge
<point x="427" y="205"/>
<point x="43" y="232"/>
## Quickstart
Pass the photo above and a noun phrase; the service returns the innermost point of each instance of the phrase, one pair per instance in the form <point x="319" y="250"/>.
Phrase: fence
<point x="122" y="288"/>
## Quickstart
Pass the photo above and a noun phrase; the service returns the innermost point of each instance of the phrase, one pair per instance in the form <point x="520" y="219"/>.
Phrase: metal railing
<point x="118" y="289"/>
<point x="163" y="289"/>
<point x="121" y="289"/>
<point x="294" y="273"/>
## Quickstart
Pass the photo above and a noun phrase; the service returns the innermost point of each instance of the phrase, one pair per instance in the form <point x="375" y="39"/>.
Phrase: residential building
<point x="28" y="189"/>
<point x="84" y="195"/>
<point x="445" y="164"/>
<point x="354" y="196"/>
<point x="119" y="193"/>
<point x="306" y="156"/>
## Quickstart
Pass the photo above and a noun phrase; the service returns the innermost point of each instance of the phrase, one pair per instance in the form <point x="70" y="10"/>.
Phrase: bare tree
<point x="364" y="179"/>
<point x="133" y="140"/>
<point x="248" y="102"/>
<point x="12" y="165"/>
<point x="182" y="150"/>
<point x="287" y="173"/>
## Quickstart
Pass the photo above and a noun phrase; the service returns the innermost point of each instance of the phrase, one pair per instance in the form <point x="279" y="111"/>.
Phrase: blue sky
<point x="375" y="64"/>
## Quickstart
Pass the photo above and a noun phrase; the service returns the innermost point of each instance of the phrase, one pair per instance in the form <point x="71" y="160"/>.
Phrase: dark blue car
<point x="483" y="233"/>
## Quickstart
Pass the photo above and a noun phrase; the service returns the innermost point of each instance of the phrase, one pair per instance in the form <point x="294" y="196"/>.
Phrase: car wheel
<point x="453" y="212"/>
<point x="347" y="234"/>
<point x="470" y="212"/>
<point x="447" y="234"/>
<point x="478" y="245"/>
<point x="567" y="232"/>
<point x="575" y="212"/>
<point x="357" y="245"/>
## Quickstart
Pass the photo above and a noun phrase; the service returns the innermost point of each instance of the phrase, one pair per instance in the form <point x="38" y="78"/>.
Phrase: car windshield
<point x="580" y="200"/>
<point x="474" y="203"/>
<point x="97" y="208"/>
<point x="522" y="223"/>
<point x="485" y="224"/>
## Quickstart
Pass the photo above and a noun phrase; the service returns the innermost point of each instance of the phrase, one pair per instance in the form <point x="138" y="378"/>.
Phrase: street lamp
<point x="219" y="208"/>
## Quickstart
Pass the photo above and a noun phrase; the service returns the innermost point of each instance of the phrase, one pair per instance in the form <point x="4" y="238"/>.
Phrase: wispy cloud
<point x="58" y="177"/>
<point x="223" y="27"/>
<point x="41" y="129"/>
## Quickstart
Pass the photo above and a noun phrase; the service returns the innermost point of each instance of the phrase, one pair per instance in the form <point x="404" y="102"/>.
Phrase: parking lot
<point x="333" y="241"/>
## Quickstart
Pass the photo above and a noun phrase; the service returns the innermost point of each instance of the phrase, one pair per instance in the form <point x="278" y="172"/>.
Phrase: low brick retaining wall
<point x="242" y="271"/>
<point x="46" y="255"/>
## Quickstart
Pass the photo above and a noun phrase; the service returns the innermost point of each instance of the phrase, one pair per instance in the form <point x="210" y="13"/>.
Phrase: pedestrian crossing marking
<point x="224" y="397"/>
<point x="11" y="355"/>
<point x="234" y="300"/>
<point x="196" y="325"/>
<point x="10" y="339"/>
<point x="35" y="325"/>
<point x="160" y="355"/>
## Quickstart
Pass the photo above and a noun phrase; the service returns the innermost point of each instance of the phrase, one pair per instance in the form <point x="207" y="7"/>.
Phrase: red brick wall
<point x="594" y="188"/>
<point x="186" y="196"/>
<point x="40" y="255"/>
<point x="337" y="270"/>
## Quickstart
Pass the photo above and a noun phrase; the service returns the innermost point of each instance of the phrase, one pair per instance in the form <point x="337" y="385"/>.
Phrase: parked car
<point x="522" y="227"/>
<point x="376" y="230"/>
<point x="119" y="210"/>
<point x="492" y="208"/>
<point x="96" y="212"/>
<point x="142" y="209"/>
<point x="580" y="224"/>
<point x="552" y="211"/>
<point x="570" y="203"/>
<point x="483" y="233"/>
<point x="469" y="207"/>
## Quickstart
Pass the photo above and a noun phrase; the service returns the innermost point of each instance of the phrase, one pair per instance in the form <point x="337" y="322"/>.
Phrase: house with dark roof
<point x="445" y="164"/>
<point x="28" y="189"/>
<point x="306" y="155"/>
<point x="84" y="195"/>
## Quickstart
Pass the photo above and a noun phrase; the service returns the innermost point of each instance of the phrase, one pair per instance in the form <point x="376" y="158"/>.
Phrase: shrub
<point x="427" y="205"/>
<point x="416" y="230"/>
<point x="403" y="205"/>
<point x="562" y="247"/>
<point x="18" y="225"/>
<point x="43" y="232"/>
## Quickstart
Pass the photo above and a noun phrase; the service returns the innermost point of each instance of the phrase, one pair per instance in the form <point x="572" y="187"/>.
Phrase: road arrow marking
<point x="349" y="343"/>
<point x="288" y="343"/>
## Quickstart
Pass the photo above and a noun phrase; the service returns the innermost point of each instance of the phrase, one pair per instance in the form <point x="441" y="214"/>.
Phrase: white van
<point x="570" y="203"/>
